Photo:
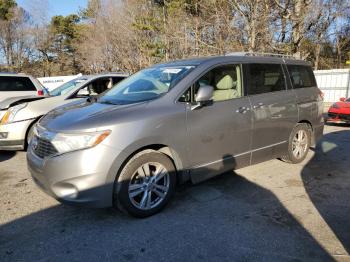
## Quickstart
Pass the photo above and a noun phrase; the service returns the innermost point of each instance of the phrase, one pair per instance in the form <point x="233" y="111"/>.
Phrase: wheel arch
<point x="182" y="175"/>
<point x="305" y="121"/>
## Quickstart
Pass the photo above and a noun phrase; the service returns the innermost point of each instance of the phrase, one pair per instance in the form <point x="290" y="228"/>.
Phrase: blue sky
<point x="55" y="7"/>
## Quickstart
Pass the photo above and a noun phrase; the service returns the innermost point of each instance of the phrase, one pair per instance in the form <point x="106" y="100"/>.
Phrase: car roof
<point x="234" y="58"/>
<point x="13" y="74"/>
<point x="103" y="75"/>
<point x="117" y="74"/>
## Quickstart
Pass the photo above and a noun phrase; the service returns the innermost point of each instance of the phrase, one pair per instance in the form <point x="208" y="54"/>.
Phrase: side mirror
<point x="342" y="99"/>
<point x="83" y="92"/>
<point x="204" y="94"/>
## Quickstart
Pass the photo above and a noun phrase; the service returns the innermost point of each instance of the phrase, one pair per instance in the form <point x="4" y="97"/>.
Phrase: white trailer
<point x="54" y="81"/>
<point x="333" y="83"/>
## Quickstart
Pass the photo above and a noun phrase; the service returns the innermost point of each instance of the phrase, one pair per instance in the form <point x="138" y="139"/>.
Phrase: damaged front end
<point x="14" y="101"/>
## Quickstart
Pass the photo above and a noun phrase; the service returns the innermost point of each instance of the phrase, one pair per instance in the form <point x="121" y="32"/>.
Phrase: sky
<point x="54" y="7"/>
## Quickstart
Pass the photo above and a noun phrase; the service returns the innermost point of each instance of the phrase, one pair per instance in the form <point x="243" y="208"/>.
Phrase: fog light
<point x="65" y="191"/>
<point x="3" y="135"/>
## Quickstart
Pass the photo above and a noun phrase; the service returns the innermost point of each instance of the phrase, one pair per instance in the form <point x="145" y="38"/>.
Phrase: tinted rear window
<point x="265" y="78"/>
<point x="301" y="76"/>
<point x="16" y="84"/>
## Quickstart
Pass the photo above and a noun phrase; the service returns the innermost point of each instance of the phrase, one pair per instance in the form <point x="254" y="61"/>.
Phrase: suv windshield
<point x="145" y="85"/>
<point x="66" y="87"/>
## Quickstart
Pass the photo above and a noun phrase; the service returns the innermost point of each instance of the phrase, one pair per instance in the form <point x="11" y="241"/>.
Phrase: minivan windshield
<point x="66" y="87"/>
<point x="145" y="85"/>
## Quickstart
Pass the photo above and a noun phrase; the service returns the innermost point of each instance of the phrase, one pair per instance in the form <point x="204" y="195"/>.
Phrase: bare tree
<point x="113" y="35"/>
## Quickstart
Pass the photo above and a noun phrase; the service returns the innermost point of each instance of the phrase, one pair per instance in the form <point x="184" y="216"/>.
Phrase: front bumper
<point x="12" y="136"/>
<point x="11" y="145"/>
<point x="76" y="178"/>
<point x="338" y="118"/>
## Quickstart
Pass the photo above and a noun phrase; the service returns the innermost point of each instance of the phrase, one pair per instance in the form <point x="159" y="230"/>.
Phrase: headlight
<point x="335" y="105"/>
<point x="71" y="142"/>
<point x="11" y="113"/>
<point x="2" y="113"/>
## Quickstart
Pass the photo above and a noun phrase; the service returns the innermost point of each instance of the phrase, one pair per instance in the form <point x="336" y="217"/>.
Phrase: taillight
<point x="321" y="94"/>
<point x="40" y="92"/>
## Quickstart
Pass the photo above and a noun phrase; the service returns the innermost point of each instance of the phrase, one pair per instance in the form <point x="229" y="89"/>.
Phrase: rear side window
<point x="265" y="78"/>
<point x="16" y="84"/>
<point x="301" y="76"/>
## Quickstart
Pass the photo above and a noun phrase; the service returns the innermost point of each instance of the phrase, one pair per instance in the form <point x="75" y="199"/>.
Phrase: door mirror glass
<point x="205" y="94"/>
<point x="342" y="99"/>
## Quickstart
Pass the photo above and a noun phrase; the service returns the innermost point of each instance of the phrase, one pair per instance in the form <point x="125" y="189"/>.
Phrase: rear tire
<point x="298" y="144"/>
<point x="146" y="184"/>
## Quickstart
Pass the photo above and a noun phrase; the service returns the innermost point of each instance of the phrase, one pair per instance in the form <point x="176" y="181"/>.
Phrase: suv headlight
<point x="11" y="113"/>
<point x="71" y="142"/>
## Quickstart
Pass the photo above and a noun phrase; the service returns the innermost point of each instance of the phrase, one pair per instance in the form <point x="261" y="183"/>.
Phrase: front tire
<point x="299" y="144"/>
<point x="146" y="184"/>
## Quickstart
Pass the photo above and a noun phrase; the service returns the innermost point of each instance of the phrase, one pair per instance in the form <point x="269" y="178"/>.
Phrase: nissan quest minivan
<point x="181" y="121"/>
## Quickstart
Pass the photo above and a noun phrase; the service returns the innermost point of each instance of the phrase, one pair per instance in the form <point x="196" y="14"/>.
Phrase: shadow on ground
<point x="225" y="219"/>
<point x="6" y="155"/>
<point x="326" y="178"/>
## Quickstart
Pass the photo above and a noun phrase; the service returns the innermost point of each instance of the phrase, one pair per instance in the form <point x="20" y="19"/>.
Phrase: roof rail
<point x="260" y="54"/>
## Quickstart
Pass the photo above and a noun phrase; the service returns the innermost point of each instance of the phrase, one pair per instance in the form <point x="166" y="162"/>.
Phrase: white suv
<point x="16" y="85"/>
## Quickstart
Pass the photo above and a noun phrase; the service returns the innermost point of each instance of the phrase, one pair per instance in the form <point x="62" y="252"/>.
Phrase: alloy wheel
<point x="300" y="144"/>
<point x="149" y="186"/>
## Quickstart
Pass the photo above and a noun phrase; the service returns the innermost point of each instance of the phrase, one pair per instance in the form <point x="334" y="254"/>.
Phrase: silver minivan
<point x="175" y="122"/>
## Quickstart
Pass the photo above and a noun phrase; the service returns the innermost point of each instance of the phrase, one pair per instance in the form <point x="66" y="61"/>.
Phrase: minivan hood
<point x="85" y="116"/>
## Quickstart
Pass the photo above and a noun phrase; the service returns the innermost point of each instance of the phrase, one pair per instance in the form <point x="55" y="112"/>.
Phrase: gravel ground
<point x="268" y="212"/>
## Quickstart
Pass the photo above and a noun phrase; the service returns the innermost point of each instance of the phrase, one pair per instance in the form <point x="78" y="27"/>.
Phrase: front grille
<point x="44" y="148"/>
<point x="343" y="116"/>
<point x="340" y="116"/>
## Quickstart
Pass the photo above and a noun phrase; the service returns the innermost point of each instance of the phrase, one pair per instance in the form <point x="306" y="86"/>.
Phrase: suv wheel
<point x="299" y="144"/>
<point x="145" y="184"/>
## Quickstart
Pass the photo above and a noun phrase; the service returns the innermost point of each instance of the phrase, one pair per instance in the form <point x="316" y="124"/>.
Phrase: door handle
<point x="242" y="110"/>
<point x="259" y="105"/>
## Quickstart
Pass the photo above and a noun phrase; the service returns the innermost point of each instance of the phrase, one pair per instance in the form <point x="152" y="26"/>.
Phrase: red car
<point x="339" y="112"/>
